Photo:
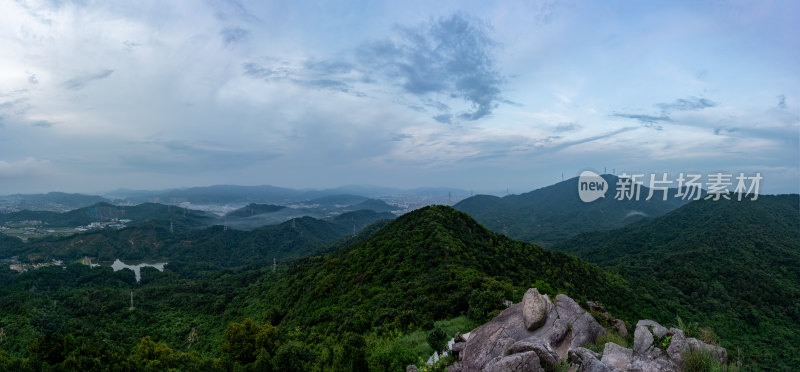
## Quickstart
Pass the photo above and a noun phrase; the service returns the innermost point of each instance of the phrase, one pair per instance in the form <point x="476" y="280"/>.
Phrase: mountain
<point x="101" y="212"/>
<point x="253" y="209"/>
<point x="374" y="205"/>
<point x="554" y="213"/>
<point x="430" y="264"/>
<point x="735" y="264"/>
<point x="361" y="218"/>
<point x="52" y="201"/>
<point x="337" y="200"/>
<point x="173" y="239"/>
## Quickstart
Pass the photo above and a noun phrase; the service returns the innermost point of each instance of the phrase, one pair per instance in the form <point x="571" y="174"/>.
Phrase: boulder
<point x="548" y="358"/>
<point x="617" y="356"/>
<point x="642" y="340"/>
<point x="458" y="349"/>
<point x="657" y="329"/>
<point x="621" y="328"/>
<point x="522" y="362"/>
<point x="566" y="326"/>
<point x="534" y="309"/>
<point x="411" y="368"/>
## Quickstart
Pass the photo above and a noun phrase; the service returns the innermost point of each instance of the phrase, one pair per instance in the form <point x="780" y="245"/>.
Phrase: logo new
<point x="591" y="186"/>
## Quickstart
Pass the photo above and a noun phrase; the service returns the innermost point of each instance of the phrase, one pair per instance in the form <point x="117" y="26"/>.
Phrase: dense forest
<point x="367" y="301"/>
<point x="734" y="265"/>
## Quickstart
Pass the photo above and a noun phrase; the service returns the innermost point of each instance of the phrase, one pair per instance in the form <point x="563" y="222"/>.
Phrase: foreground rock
<point x="533" y="335"/>
<point x="655" y="349"/>
<point x="537" y="334"/>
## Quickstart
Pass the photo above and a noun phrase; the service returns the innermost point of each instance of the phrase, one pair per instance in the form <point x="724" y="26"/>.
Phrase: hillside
<point x="52" y="201"/>
<point x="430" y="264"/>
<point x="253" y="209"/>
<point x="101" y="212"/>
<point x="735" y="264"/>
<point x="211" y="246"/>
<point x="376" y="205"/>
<point x="555" y="213"/>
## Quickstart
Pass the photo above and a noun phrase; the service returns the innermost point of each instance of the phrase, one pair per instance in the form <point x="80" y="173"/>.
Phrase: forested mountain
<point x="372" y="293"/>
<point x="212" y="246"/>
<point x="554" y="213"/>
<point x="734" y="264"/>
<point x="362" y="300"/>
<point x="253" y="209"/>
<point x="52" y="201"/>
<point x="102" y="212"/>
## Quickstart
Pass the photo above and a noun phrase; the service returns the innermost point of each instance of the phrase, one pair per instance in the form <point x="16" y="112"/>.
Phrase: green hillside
<point x="555" y="213"/>
<point x="736" y="265"/>
<point x="253" y="209"/>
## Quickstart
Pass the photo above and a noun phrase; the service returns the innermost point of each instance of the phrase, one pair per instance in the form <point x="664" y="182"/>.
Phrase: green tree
<point x="151" y="354"/>
<point x="293" y="356"/>
<point x="437" y="339"/>
<point x="243" y="342"/>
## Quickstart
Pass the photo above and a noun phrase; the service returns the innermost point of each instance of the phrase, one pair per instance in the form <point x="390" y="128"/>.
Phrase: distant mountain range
<point x="53" y="201"/>
<point x="554" y="213"/>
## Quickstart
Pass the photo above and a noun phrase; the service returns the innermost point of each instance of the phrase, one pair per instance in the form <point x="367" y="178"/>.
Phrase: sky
<point x="478" y="95"/>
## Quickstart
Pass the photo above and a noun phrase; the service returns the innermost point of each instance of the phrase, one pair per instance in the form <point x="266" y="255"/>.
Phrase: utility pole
<point x="131" y="308"/>
<point x="274" y="265"/>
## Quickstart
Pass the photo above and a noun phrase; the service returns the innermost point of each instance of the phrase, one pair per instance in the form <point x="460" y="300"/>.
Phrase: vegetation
<point x="363" y="302"/>
<point x="554" y="213"/>
<point x="732" y="266"/>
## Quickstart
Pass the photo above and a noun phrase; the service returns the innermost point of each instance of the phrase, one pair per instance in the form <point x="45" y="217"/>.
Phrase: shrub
<point x="437" y="339"/>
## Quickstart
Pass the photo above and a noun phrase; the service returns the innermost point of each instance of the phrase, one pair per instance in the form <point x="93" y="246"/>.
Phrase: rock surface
<point x="507" y="340"/>
<point x="534" y="309"/>
<point x="537" y="334"/>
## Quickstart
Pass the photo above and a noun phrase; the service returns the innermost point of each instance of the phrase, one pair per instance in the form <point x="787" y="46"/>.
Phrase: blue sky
<point x="96" y="95"/>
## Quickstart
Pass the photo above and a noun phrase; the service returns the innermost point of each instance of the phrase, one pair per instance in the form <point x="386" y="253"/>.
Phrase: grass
<point x="703" y="361"/>
<point x="417" y="343"/>
<point x="611" y="336"/>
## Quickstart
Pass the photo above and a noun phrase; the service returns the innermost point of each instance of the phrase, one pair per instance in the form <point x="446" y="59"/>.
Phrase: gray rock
<point x="522" y="362"/>
<point x="617" y="356"/>
<point x="411" y="368"/>
<point x="534" y="309"/>
<point x="657" y="329"/>
<point x="566" y="327"/>
<point x="588" y="361"/>
<point x="458" y="349"/>
<point x="621" y="328"/>
<point x="585" y="329"/>
<point x="548" y="358"/>
<point x="579" y="355"/>
<point x="559" y="331"/>
<point x="456" y="367"/>
<point x="642" y="339"/>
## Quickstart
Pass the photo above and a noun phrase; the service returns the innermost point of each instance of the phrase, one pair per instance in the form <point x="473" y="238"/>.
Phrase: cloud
<point x="258" y="71"/>
<point x="42" y="124"/>
<point x="25" y="169"/>
<point x="452" y="56"/>
<point x="781" y="101"/>
<point x="79" y="82"/>
<point x="169" y="156"/>
<point x="32" y="79"/>
<point x="568" y="127"/>
<point x="443" y="63"/>
<point x="687" y="104"/>
<point x="649" y="121"/>
<point x="232" y="35"/>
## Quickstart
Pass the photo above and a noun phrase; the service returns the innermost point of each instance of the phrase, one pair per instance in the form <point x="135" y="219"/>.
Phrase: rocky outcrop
<point x="655" y="349"/>
<point x="533" y="335"/>
<point x="537" y="334"/>
<point x="534" y="309"/>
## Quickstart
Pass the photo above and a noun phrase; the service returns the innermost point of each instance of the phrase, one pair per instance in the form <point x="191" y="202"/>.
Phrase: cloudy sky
<point x="96" y="95"/>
